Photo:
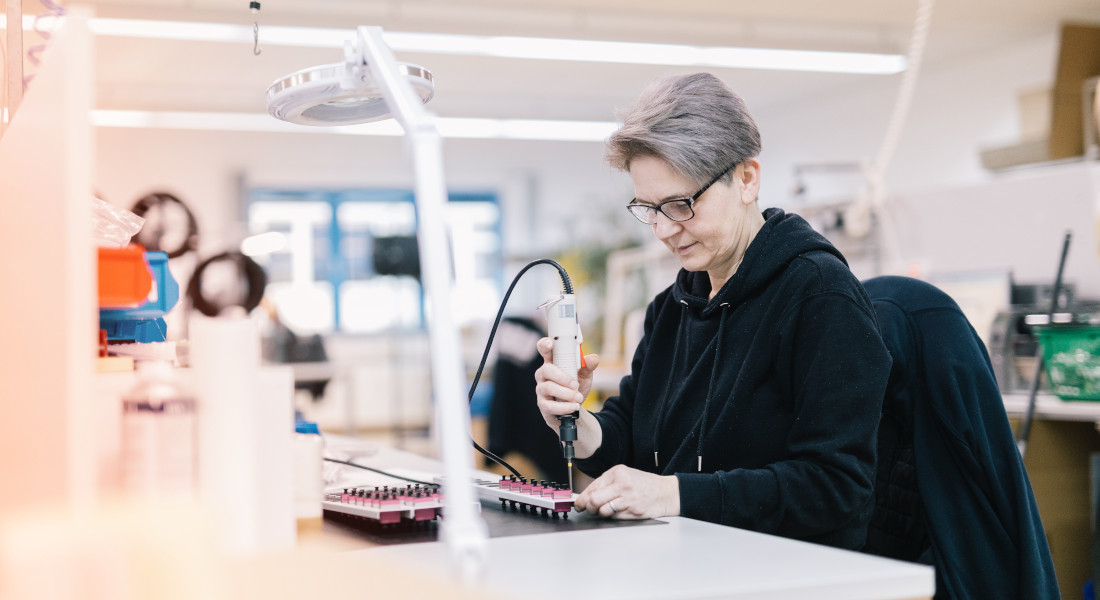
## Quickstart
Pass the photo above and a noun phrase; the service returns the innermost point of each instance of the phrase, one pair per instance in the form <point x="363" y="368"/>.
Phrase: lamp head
<point x="340" y="93"/>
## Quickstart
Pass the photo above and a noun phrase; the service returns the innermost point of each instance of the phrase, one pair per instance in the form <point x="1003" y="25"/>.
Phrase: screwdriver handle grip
<point x="565" y="332"/>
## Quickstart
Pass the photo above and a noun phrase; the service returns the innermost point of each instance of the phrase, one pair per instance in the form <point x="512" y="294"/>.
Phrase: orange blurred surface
<point x="124" y="277"/>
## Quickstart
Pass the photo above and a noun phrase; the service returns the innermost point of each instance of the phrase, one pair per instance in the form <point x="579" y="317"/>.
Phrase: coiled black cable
<point x="568" y="286"/>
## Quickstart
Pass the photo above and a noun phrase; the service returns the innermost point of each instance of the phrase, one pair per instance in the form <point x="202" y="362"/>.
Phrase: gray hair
<point x="695" y="123"/>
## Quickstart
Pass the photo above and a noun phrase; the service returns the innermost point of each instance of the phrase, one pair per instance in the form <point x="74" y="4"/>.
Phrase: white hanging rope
<point x="858" y="217"/>
<point x="908" y="86"/>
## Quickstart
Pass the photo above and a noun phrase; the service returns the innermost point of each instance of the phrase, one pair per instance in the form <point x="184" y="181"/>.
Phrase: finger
<point x="554" y="407"/>
<point x="580" y="504"/>
<point x="591" y="361"/>
<point x="545" y="346"/>
<point x="614" y="486"/>
<point x="585" y="499"/>
<point x="629" y="511"/>
<point x="598" y="493"/>
<point x="560" y="393"/>
<point x="551" y="372"/>
<point x="606" y="511"/>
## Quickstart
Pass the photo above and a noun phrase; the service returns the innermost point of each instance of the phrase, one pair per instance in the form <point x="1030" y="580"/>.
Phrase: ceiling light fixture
<point x="531" y="48"/>
<point x="648" y="54"/>
<point x="545" y="130"/>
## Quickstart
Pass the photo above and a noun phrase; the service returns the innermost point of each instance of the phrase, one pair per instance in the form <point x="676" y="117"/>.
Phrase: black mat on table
<point x="500" y="521"/>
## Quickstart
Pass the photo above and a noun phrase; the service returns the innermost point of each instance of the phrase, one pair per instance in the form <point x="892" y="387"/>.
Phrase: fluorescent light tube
<point x="651" y="54"/>
<point x="455" y="128"/>
<point x="520" y="47"/>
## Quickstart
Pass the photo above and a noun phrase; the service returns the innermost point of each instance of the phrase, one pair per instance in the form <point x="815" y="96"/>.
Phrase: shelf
<point x="1053" y="407"/>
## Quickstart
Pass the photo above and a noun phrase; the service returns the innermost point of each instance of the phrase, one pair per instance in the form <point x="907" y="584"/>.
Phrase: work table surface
<point x="671" y="557"/>
<point x="680" y="558"/>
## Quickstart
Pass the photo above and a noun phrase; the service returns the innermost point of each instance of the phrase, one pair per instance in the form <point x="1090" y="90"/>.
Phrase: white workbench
<point x="675" y="558"/>
<point x="682" y="558"/>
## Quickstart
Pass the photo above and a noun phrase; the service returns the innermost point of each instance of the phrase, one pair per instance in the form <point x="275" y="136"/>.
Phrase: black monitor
<point x="397" y="255"/>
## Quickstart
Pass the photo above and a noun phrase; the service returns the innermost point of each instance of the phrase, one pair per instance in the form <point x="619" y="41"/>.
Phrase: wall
<point x="1019" y="219"/>
<point x="958" y="108"/>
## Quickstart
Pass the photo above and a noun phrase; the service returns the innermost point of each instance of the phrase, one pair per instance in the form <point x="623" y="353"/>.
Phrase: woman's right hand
<point x="560" y="393"/>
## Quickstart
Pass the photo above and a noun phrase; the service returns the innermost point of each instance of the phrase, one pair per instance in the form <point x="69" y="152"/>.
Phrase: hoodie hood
<point x="783" y="238"/>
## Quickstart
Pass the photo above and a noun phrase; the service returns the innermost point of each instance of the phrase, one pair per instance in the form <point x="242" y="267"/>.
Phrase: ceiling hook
<point x="254" y="7"/>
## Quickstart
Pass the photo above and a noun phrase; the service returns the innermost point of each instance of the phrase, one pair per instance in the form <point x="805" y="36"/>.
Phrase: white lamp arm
<point x="463" y="529"/>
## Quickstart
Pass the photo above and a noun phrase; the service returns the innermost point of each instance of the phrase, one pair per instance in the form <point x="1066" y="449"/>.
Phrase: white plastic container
<point x="159" y="435"/>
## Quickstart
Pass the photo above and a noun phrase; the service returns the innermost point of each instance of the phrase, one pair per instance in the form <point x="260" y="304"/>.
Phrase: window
<point x="347" y="259"/>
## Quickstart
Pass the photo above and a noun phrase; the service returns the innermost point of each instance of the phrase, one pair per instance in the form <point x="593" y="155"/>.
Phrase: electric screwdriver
<point x="565" y="331"/>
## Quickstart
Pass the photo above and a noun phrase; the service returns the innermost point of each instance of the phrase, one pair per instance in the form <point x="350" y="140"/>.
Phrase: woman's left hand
<point x="625" y="493"/>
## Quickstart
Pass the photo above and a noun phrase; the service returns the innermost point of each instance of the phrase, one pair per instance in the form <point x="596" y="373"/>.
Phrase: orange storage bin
<point x="124" y="277"/>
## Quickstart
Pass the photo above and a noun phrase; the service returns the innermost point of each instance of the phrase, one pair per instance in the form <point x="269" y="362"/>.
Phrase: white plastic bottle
<point x="308" y="485"/>
<point x="159" y="436"/>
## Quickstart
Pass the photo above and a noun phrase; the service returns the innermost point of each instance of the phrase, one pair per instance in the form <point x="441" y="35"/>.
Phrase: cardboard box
<point x="1078" y="60"/>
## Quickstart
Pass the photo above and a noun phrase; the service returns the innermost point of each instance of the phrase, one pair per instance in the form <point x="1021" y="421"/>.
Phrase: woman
<point x="754" y="396"/>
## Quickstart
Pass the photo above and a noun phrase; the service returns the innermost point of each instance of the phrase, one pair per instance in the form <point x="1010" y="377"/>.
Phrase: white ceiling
<point x="141" y="74"/>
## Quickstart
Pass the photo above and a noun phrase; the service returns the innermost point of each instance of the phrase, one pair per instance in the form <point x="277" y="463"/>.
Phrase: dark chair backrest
<point x="951" y="489"/>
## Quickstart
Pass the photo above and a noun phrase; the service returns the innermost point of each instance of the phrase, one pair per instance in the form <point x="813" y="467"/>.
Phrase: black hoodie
<point x="774" y="387"/>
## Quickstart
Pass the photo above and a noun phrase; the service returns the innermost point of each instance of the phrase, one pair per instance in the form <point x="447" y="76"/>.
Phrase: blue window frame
<point x="323" y="275"/>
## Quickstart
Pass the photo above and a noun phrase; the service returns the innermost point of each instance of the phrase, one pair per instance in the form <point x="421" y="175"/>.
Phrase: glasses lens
<point x="678" y="210"/>
<point x="645" y="214"/>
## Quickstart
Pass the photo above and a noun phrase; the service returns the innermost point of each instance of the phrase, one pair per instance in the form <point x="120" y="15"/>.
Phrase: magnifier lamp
<point x="341" y="94"/>
<point x="371" y="85"/>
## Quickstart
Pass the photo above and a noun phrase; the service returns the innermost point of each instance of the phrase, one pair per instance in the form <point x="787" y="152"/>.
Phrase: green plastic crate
<point x="1072" y="358"/>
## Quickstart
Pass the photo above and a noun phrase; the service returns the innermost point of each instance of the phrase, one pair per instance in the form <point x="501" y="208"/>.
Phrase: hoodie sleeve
<point x="833" y="367"/>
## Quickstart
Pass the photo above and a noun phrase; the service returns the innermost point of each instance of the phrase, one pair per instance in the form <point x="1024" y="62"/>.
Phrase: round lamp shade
<point x="338" y="94"/>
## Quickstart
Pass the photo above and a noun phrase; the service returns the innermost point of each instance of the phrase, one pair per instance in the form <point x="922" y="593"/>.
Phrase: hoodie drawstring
<point x="668" y="384"/>
<point x="710" y="386"/>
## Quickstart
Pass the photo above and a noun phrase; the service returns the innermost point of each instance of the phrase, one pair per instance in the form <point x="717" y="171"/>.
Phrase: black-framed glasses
<point x="677" y="209"/>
